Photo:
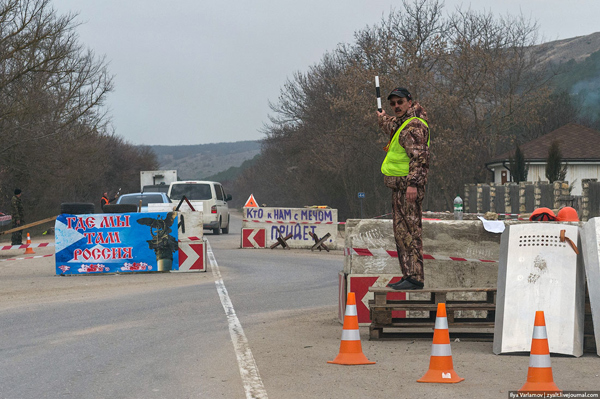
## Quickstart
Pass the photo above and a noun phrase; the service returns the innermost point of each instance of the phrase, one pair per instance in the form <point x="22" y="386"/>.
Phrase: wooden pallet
<point x="479" y="328"/>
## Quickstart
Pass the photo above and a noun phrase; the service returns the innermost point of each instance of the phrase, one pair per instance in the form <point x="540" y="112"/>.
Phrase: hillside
<point x="204" y="160"/>
<point x="576" y="61"/>
<point x="576" y="49"/>
<point x="575" y="64"/>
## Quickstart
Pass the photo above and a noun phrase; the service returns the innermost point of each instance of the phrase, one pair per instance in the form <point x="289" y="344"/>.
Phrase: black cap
<point x="17" y="191"/>
<point x="400" y="92"/>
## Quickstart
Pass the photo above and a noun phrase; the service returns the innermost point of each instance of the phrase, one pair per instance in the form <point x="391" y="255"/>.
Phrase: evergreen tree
<point x="555" y="170"/>
<point x="518" y="168"/>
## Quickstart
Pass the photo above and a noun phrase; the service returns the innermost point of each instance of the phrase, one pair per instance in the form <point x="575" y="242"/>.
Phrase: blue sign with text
<point x="116" y="243"/>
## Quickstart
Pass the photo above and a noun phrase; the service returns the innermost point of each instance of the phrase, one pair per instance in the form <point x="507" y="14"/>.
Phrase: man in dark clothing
<point x="17" y="217"/>
<point x="106" y="201"/>
<point x="405" y="172"/>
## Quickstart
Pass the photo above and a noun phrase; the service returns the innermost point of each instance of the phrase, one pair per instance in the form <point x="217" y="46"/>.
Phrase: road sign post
<point x="361" y="195"/>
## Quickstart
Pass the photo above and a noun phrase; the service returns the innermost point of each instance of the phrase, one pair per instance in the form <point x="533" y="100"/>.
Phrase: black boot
<point x="391" y="285"/>
<point x="407" y="284"/>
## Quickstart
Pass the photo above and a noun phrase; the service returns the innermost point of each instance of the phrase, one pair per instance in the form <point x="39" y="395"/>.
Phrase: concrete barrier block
<point x="298" y="222"/>
<point x="448" y="274"/>
<point x="193" y="225"/>
<point x="445" y="238"/>
<point x="467" y="239"/>
<point x="377" y="236"/>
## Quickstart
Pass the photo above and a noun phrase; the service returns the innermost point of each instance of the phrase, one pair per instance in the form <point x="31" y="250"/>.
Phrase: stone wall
<point x="590" y="202"/>
<point x="525" y="197"/>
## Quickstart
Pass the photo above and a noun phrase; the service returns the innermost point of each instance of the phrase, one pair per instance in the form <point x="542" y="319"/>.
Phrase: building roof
<point x="577" y="143"/>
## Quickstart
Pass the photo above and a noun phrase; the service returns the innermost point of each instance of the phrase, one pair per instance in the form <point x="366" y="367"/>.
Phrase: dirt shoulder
<point x="292" y="351"/>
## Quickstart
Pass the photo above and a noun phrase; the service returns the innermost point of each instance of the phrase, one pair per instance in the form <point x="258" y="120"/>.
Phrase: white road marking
<point x="253" y="384"/>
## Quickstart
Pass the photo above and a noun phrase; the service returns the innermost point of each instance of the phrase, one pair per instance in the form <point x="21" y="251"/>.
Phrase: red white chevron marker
<point x="191" y="256"/>
<point x="254" y="238"/>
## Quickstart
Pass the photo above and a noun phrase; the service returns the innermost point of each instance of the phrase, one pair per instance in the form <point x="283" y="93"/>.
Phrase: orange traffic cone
<point x="350" y="348"/>
<point x="29" y="250"/>
<point x="440" y="363"/>
<point x="539" y="376"/>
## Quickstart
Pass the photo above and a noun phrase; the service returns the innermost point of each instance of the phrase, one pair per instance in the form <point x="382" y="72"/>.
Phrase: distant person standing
<point x="105" y="201"/>
<point x="18" y="215"/>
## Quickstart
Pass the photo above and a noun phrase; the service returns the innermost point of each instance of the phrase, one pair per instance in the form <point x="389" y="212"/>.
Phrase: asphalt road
<point x="151" y="335"/>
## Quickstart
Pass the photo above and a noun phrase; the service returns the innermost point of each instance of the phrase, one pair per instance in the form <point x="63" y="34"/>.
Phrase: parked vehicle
<point x="208" y="194"/>
<point x="146" y="198"/>
<point x="154" y="177"/>
<point x="77" y="208"/>
<point x="156" y="188"/>
<point x="5" y="219"/>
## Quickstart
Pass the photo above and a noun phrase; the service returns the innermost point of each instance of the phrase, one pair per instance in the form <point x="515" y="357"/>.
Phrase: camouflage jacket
<point x="414" y="140"/>
<point x="17" y="208"/>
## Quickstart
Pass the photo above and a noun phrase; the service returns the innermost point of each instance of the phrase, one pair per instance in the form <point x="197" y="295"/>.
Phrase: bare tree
<point x="55" y="137"/>
<point x="473" y="72"/>
<point x="47" y="81"/>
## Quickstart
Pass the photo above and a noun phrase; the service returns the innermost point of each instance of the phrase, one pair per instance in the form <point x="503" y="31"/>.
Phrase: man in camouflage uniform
<point x="405" y="172"/>
<point x="17" y="217"/>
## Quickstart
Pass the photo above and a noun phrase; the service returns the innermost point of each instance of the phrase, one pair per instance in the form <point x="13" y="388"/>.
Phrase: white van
<point x="211" y="196"/>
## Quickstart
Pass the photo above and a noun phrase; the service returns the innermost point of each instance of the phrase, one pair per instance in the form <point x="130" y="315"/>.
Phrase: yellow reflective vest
<point x="396" y="161"/>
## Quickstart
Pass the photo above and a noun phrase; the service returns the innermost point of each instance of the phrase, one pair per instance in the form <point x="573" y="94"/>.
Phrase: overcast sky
<point x="198" y="71"/>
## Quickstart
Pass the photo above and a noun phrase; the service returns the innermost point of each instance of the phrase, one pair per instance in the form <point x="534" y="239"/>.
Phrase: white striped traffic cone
<point x="350" y="347"/>
<point x="440" y="363"/>
<point x="29" y="250"/>
<point x="539" y="375"/>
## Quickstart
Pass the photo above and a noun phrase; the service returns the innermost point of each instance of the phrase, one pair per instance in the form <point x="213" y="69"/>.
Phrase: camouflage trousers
<point x="17" y="236"/>
<point x="408" y="227"/>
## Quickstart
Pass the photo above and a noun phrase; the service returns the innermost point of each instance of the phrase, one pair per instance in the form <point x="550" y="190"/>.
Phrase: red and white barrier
<point x="394" y="254"/>
<point x="23" y="246"/>
<point x="29" y="257"/>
